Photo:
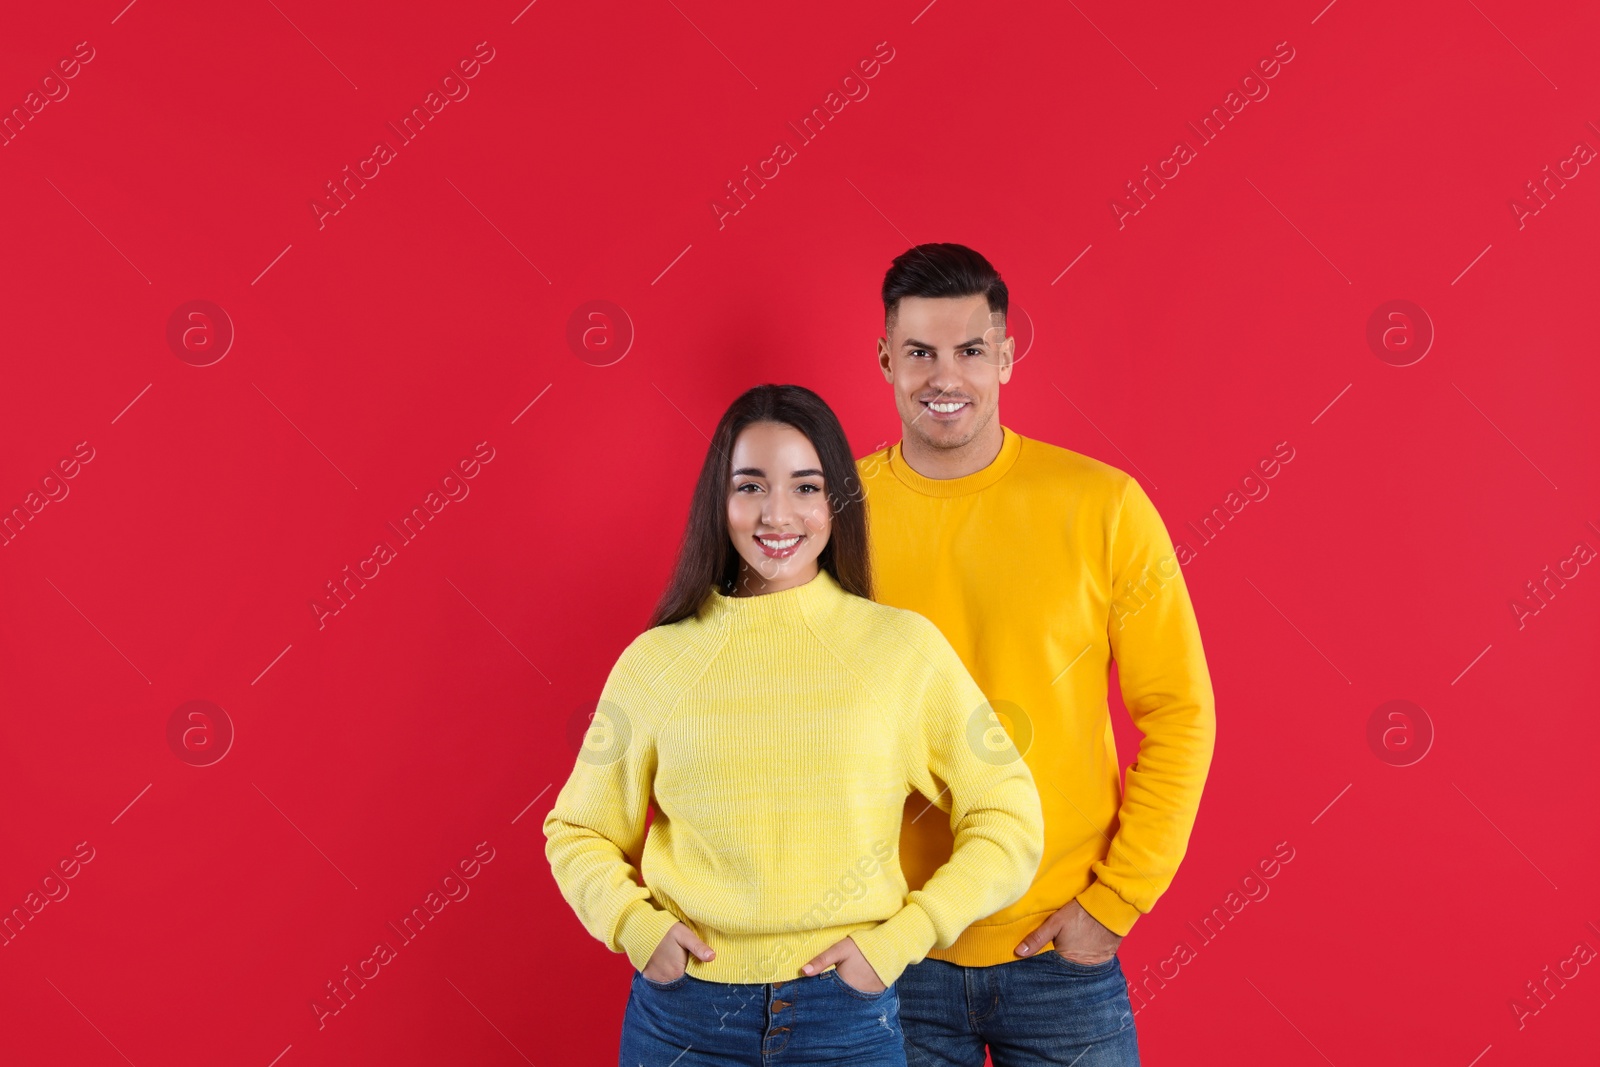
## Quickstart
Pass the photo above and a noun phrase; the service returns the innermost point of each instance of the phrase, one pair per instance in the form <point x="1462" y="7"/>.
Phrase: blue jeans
<point x="689" y="1022"/>
<point x="1041" y="1009"/>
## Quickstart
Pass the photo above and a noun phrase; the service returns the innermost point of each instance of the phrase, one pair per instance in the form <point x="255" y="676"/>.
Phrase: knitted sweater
<point x="777" y="738"/>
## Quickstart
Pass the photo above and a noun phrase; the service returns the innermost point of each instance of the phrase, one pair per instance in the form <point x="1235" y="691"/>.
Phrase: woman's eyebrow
<point x="759" y="473"/>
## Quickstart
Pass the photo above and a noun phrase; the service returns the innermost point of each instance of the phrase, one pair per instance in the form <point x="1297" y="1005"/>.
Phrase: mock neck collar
<point x="792" y="604"/>
<point x="1010" y="446"/>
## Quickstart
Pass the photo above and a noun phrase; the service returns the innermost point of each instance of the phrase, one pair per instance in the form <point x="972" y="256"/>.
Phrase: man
<point x="1041" y="566"/>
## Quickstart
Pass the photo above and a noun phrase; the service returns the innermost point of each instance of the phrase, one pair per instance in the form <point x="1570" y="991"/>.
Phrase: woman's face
<point x="778" y="512"/>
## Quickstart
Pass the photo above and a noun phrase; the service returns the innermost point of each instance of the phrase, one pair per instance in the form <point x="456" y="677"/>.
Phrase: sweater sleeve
<point x="960" y="757"/>
<point x="1166" y="687"/>
<point x="594" y="835"/>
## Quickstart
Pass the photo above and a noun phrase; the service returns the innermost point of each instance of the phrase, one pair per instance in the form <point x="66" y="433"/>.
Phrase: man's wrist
<point x="1108" y="909"/>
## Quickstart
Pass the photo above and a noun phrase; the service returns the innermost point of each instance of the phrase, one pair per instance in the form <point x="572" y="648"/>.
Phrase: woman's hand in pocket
<point x="853" y="968"/>
<point x="671" y="957"/>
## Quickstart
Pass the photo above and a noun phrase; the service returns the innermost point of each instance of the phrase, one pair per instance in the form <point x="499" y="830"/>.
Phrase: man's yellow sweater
<point x="1041" y="569"/>
<point x="778" y="738"/>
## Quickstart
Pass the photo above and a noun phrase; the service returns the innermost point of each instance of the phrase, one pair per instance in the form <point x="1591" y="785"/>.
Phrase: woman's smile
<point x="779" y="547"/>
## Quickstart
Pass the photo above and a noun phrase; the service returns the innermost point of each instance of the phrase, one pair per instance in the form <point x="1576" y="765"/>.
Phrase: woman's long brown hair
<point x="707" y="558"/>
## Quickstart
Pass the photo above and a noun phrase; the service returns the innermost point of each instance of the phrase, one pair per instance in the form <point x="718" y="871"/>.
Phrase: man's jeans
<point x="1041" y="1009"/>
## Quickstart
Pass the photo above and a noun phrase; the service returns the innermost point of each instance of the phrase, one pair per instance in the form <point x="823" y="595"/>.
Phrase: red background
<point x="435" y="710"/>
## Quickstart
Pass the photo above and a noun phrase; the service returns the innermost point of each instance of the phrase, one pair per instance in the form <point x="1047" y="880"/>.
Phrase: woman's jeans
<point x="1042" y="1009"/>
<point x="815" y="1020"/>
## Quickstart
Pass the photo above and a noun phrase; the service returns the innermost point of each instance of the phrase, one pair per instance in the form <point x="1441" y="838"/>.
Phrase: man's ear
<point x="883" y="359"/>
<point x="1008" y="349"/>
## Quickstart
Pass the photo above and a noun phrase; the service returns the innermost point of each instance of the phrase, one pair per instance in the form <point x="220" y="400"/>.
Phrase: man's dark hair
<point x="942" y="269"/>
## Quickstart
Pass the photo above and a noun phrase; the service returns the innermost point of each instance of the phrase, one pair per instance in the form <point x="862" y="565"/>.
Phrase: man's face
<point x="942" y="353"/>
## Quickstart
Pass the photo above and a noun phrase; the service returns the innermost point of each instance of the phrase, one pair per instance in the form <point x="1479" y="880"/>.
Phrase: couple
<point x="890" y="826"/>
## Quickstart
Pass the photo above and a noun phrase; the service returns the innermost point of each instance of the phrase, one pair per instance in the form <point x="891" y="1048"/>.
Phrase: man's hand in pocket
<point x="1078" y="935"/>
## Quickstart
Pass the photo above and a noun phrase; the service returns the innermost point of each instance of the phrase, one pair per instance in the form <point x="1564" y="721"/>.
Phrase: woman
<point x="778" y="718"/>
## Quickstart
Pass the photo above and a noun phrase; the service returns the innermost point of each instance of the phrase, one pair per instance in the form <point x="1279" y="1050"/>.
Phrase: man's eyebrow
<point x="914" y="343"/>
<point x="759" y="473"/>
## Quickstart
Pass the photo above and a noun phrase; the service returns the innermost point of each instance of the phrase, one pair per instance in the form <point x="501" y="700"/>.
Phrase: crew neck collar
<point x="1010" y="446"/>
<point x="786" y="604"/>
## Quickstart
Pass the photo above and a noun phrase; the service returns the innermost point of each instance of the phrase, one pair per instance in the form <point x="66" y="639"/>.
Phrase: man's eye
<point x="974" y="351"/>
<point x="919" y="351"/>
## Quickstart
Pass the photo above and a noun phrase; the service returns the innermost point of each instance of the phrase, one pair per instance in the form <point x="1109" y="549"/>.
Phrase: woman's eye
<point x="813" y="488"/>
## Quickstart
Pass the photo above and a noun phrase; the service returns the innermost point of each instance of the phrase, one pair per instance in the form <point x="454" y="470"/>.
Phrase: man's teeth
<point x="946" y="407"/>
<point x="787" y="542"/>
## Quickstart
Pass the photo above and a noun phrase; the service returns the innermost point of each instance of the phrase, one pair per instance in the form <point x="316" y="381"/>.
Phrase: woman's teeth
<point x="787" y="542"/>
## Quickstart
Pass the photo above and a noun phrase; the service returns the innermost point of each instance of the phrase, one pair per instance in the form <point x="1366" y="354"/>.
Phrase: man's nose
<point x="944" y="375"/>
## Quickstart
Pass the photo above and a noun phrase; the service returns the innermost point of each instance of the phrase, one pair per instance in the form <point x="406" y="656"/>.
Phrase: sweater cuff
<point x="641" y="930"/>
<point x="1108" y="909"/>
<point x="899" y="941"/>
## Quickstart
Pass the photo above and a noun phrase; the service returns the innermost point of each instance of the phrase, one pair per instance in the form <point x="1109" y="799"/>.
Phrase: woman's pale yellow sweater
<point x="778" y="737"/>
